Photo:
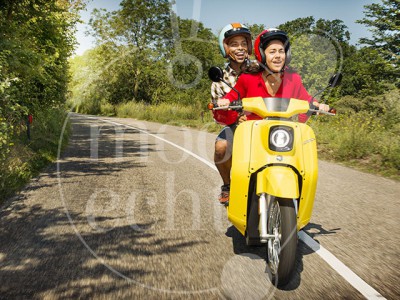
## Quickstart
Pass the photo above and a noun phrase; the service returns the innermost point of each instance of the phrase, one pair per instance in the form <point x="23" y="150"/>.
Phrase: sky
<point x="215" y="14"/>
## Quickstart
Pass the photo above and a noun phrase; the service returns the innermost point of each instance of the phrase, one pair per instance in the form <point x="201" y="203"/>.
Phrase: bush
<point x="359" y="138"/>
<point x="107" y="109"/>
<point x="26" y="158"/>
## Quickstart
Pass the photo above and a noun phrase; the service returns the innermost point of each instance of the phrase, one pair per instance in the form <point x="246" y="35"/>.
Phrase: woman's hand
<point x="223" y="102"/>
<point x="321" y="106"/>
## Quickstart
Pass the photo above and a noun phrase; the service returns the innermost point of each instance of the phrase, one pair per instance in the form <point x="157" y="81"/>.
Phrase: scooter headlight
<point x="281" y="138"/>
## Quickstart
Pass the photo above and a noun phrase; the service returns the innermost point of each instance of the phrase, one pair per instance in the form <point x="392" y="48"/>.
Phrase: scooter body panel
<point x="310" y="176"/>
<point x="290" y="174"/>
<point x="278" y="181"/>
<point x="237" y="209"/>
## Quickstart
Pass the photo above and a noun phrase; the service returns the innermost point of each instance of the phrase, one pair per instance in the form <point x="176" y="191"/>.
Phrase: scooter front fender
<point x="278" y="181"/>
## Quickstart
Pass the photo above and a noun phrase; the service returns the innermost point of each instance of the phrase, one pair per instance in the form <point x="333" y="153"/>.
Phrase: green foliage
<point x="365" y="131"/>
<point x="124" y="67"/>
<point x="383" y="21"/>
<point x="173" y="114"/>
<point x="315" y="72"/>
<point x="26" y="158"/>
<point x="10" y="113"/>
<point x="255" y="29"/>
<point x="334" y="29"/>
<point x="162" y="113"/>
<point x="37" y="37"/>
<point x="317" y="49"/>
<point x="366" y="73"/>
<point x="385" y="107"/>
<point x="298" y="26"/>
<point x="131" y="40"/>
<point x="118" y="74"/>
<point x="353" y="135"/>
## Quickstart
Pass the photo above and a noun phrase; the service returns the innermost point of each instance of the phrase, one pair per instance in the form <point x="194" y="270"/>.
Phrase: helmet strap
<point x="270" y="72"/>
<point x="232" y="57"/>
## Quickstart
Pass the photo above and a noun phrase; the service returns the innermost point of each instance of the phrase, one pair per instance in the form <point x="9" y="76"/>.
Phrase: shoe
<point x="224" y="196"/>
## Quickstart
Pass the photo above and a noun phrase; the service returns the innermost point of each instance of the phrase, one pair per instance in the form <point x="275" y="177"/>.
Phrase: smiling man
<point x="235" y="45"/>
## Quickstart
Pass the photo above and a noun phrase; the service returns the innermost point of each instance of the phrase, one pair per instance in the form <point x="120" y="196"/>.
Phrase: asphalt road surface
<point x="129" y="211"/>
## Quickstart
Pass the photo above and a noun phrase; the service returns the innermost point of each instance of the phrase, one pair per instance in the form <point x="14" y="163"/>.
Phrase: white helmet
<point x="231" y="30"/>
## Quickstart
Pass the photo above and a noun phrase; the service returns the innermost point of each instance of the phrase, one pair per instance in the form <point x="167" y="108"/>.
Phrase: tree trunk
<point x="10" y="10"/>
<point x="136" y="84"/>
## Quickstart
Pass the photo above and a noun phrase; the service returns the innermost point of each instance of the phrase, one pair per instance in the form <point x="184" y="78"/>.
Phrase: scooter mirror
<point x="215" y="74"/>
<point x="335" y="80"/>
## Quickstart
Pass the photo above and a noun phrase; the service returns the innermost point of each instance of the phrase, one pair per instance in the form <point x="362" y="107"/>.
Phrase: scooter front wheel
<point x="282" y="248"/>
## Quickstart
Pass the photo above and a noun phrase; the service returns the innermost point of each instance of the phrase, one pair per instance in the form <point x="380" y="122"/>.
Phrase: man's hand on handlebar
<point x="241" y="118"/>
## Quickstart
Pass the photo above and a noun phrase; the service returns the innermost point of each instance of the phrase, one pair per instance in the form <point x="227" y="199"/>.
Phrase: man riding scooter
<point x="235" y="45"/>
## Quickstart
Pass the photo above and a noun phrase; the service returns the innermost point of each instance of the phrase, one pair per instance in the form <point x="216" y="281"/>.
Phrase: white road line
<point x="212" y="166"/>
<point x="338" y="266"/>
<point x="352" y="278"/>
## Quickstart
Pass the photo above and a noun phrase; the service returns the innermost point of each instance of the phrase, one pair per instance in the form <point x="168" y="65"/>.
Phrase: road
<point x="130" y="212"/>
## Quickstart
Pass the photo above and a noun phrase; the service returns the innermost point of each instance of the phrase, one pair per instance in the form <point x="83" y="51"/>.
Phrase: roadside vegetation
<point x="37" y="38"/>
<point x="150" y="64"/>
<point x="368" y="141"/>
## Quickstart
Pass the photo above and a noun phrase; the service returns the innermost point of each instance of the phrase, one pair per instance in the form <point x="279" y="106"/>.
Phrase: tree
<point x="335" y="28"/>
<point x="143" y="22"/>
<point x="366" y="73"/>
<point x="36" y="39"/>
<point x="148" y="52"/>
<point x="384" y="22"/>
<point x="136" y="28"/>
<point x="298" y="26"/>
<point x="316" y="48"/>
<point x="255" y="29"/>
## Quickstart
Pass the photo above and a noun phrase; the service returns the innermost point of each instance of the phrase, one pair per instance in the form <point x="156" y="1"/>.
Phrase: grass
<point x="172" y="114"/>
<point x="28" y="157"/>
<point x="360" y="141"/>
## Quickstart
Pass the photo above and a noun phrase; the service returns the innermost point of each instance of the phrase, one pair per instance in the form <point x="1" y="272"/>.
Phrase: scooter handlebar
<point x="331" y="112"/>
<point x="237" y="105"/>
<point x="314" y="110"/>
<point x="234" y="105"/>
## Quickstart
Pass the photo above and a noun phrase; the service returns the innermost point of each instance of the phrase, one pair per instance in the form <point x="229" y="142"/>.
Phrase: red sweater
<point x="252" y="85"/>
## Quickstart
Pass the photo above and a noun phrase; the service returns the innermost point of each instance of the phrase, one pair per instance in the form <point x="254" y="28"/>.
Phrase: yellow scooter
<point x="273" y="176"/>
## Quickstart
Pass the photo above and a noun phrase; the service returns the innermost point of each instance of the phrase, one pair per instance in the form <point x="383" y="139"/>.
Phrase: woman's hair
<point x="251" y="66"/>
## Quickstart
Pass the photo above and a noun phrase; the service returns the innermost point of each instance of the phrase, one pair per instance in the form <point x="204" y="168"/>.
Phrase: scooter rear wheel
<point x="281" y="250"/>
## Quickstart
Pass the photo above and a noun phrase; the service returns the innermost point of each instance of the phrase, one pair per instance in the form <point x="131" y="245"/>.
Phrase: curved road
<point x="129" y="212"/>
